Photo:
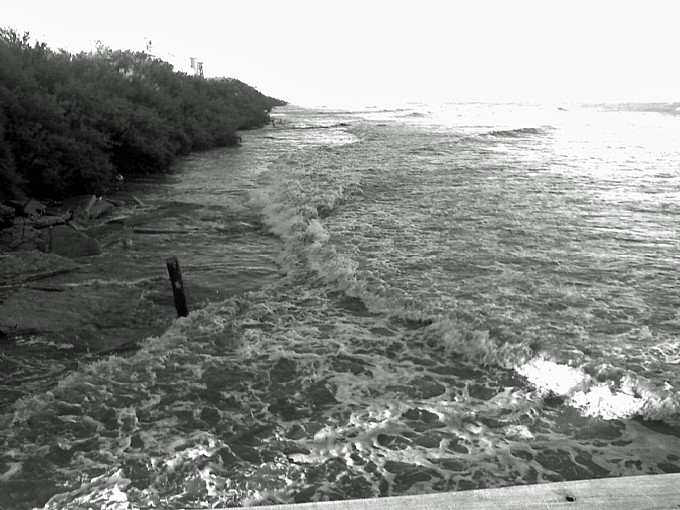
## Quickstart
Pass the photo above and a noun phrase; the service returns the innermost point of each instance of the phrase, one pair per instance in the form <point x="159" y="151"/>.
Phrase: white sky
<point x="313" y="52"/>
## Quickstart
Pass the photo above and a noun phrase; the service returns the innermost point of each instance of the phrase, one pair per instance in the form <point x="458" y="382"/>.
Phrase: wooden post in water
<point x="177" y="287"/>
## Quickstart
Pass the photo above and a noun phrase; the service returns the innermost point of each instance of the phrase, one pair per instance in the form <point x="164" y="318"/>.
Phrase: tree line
<point x="70" y="123"/>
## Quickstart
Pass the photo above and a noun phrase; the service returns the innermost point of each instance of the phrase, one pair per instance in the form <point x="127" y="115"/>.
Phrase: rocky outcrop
<point x="89" y="310"/>
<point x="17" y="268"/>
<point x="59" y="212"/>
<point x="6" y="216"/>
<point x="28" y="207"/>
<point x="30" y="225"/>
<point x="87" y="207"/>
<point x="70" y="309"/>
<point x="83" y="202"/>
<point x="100" y="208"/>
<point x="69" y="243"/>
<point x="33" y="208"/>
<point x="40" y="221"/>
<point x="23" y="237"/>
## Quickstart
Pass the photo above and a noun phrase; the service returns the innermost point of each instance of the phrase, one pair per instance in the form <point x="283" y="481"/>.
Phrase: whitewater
<point x="435" y="297"/>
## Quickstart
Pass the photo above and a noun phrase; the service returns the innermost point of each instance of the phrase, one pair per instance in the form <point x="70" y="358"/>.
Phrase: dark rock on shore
<point x="86" y="207"/>
<point x="83" y="202"/>
<point x="23" y="237"/>
<point x="30" y="225"/>
<point x="32" y="208"/>
<point x="40" y="221"/>
<point x="67" y="242"/>
<point x="59" y="229"/>
<point x="60" y="211"/>
<point x="78" y="311"/>
<point x="6" y="216"/>
<point x="100" y="208"/>
<point x="17" y="268"/>
<point x="108" y="233"/>
<point x="94" y="310"/>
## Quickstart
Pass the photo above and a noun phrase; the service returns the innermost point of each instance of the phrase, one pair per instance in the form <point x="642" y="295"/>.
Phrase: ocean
<point x="435" y="297"/>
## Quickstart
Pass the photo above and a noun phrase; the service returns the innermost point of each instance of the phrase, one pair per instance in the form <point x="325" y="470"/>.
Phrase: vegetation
<point x="70" y="123"/>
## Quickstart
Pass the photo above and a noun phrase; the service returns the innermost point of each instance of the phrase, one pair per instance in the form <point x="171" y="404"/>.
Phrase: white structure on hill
<point x="197" y="67"/>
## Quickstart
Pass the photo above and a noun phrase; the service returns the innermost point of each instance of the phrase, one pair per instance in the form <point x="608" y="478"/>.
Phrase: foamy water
<point x="449" y="297"/>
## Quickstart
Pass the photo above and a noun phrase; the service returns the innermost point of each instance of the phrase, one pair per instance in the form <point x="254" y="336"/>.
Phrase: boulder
<point x="48" y="221"/>
<point x="39" y="221"/>
<point x="79" y="216"/>
<point x="117" y="220"/>
<point x="84" y="202"/>
<point x="107" y="233"/>
<point x="117" y="202"/>
<point x="16" y="268"/>
<point x="62" y="212"/>
<point x="87" y="307"/>
<point x="6" y="216"/>
<point x="100" y="207"/>
<point x="67" y="242"/>
<point x="33" y="208"/>
<point x="23" y="237"/>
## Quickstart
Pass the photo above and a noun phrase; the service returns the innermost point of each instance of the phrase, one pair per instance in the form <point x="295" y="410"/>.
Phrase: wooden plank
<point x="623" y="493"/>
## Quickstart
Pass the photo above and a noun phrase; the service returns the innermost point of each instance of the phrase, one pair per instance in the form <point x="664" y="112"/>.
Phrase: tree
<point x="69" y="123"/>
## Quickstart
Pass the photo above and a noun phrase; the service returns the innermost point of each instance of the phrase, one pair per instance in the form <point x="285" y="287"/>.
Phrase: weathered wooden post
<point x="177" y="287"/>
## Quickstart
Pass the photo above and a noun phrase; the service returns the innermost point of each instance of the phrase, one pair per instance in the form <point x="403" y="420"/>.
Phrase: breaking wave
<point x="294" y="207"/>
<point x="626" y="397"/>
<point x="518" y="133"/>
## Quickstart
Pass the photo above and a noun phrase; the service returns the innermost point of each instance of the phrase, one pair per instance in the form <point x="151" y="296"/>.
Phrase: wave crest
<point x="632" y="396"/>
<point x="519" y="132"/>
<point x="295" y="207"/>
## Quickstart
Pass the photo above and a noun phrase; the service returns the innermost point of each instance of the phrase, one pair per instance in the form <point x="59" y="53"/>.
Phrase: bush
<point x="69" y="123"/>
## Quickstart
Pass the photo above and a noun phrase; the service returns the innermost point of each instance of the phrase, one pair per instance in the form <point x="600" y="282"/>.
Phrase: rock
<point x="23" y="237"/>
<point x="79" y="216"/>
<point x="39" y="221"/>
<point x="67" y="242"/>
<point x="33" y="208"/>
<point x="100" y="232"/>
<point x="84" y="202"/>
<point x="116" y="202"/>
<point x="117" y="220"/>
<point x="70" y="310"/>
<point x="6" y="216"/>
<point x="107" y="234"/>
<point x="16" y="268"/>
<point x="75" y="225"/>
<point x="48" y="221"/>
<point x="100" y="207"/>
<point x="62" y="212"/>
<point x="39" y="243"/>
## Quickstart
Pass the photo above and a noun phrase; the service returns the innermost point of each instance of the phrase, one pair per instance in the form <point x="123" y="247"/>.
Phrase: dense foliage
<point x="70" y="123"/>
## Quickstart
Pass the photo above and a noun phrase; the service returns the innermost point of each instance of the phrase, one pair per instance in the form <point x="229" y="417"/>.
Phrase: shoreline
<point x="57" y="311"/>
<point x="60" y="307"/>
